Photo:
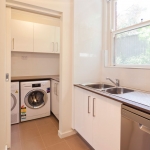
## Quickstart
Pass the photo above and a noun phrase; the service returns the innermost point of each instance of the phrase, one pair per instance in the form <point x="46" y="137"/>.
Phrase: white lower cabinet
<point x="98" y="120"/>
<point x="106" y="123"/>
<point x="79" y="126"/>
<point x="55" y="98"/>
<point x="88" y="116"/>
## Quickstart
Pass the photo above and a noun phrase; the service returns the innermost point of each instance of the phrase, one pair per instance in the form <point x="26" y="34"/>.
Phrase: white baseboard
<point x="5" y="147"/>
<point x="66" y="134"/>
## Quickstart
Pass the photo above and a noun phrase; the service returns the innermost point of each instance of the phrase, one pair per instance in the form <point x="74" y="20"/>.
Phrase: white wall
<point x="89" y="69"/>
<point x="87" y="40"/>
<point x="34" y="64"/>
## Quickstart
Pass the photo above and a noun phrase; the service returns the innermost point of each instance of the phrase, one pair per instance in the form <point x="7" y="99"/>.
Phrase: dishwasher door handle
<point x="144" y="128"/>
<point x="55" y="88"/>
<point x="89" y="104"/>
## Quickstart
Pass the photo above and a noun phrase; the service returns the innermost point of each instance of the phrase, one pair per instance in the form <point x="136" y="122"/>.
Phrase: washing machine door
<point x="13" y="101"/>
<point x="36" y="99"/>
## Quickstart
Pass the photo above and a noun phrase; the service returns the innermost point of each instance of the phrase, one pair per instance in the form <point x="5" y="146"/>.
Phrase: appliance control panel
<point x="36" y="85"/>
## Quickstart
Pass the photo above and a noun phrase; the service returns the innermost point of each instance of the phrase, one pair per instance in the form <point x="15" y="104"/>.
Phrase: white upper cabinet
<point x="43" y="38"/>
<point x="35" y="37"/>
<point x="57" y="40"/>
<point x="22" y="36"/>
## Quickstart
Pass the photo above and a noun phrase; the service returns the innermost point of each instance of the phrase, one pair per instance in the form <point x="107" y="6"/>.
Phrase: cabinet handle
<point x="13" y="43"/>
<point x="53" y="46"/>
<point x="144" y="128"/>
<point x="89" y="104"/>
<point x="57" y="46"/>
<point x="94" y="107"/>
<point x="56" y="89"/>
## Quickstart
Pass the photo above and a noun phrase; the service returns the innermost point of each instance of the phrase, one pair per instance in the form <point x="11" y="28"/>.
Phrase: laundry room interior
<point x="74" y="75"/>
<point x="35" y="58"/>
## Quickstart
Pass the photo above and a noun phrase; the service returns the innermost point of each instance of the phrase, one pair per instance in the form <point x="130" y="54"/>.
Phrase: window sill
<point x="146" y="67"/>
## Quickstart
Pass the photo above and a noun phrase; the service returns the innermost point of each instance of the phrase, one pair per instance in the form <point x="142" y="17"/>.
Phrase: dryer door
<point x="13" y="101"/>
<point x="36" y="99"/>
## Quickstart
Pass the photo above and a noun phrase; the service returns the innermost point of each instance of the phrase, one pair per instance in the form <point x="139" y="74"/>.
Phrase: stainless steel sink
<point x="98" y="86"/>
<point x="118" y="90"/>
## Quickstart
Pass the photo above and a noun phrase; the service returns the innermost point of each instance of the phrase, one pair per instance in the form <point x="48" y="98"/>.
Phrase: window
<point x="130" y="32"/>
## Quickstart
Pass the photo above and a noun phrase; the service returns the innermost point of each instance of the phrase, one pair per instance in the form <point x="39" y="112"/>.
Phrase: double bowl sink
<point x="108" y="88"/>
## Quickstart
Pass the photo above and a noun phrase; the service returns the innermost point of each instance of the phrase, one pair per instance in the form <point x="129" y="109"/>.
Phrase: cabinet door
<point x="88" y="116"/>
<point x="22" y="36"/>
<point x="78" y="101"/>
<point x="52" y="37"/>
<point x="43" y="38"/>
<point x="55" y="99"/>
<point x="106" y="124"/>
<point x="53" y="95"/>
<point x="57" y="40"/>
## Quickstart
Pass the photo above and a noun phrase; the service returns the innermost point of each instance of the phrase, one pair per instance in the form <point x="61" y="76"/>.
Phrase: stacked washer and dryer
<point x="34" y="100"/>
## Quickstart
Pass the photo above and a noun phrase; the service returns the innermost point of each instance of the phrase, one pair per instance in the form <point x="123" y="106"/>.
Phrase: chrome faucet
<point x="116" y="83"/>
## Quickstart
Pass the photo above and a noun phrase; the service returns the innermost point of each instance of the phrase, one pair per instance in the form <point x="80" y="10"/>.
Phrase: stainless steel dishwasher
<point x="135" y="129"/>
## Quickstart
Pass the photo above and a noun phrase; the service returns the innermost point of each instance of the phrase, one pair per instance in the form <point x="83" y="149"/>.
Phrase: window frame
<point x="111" y="32"/>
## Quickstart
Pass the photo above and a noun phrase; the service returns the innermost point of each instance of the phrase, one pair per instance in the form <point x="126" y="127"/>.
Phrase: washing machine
<point x="14" y="102"/>
<point x="35" y="99"/>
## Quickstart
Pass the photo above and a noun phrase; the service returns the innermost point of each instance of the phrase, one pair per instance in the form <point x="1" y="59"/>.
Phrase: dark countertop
<point x="124" y="101"/>
<point x="29" y="78"/>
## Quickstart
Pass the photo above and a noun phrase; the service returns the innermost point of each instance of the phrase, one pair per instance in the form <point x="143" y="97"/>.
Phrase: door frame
<point x="64" y="11"/>
<point x="4" y="110"/>
<point x="8" y="70"/>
